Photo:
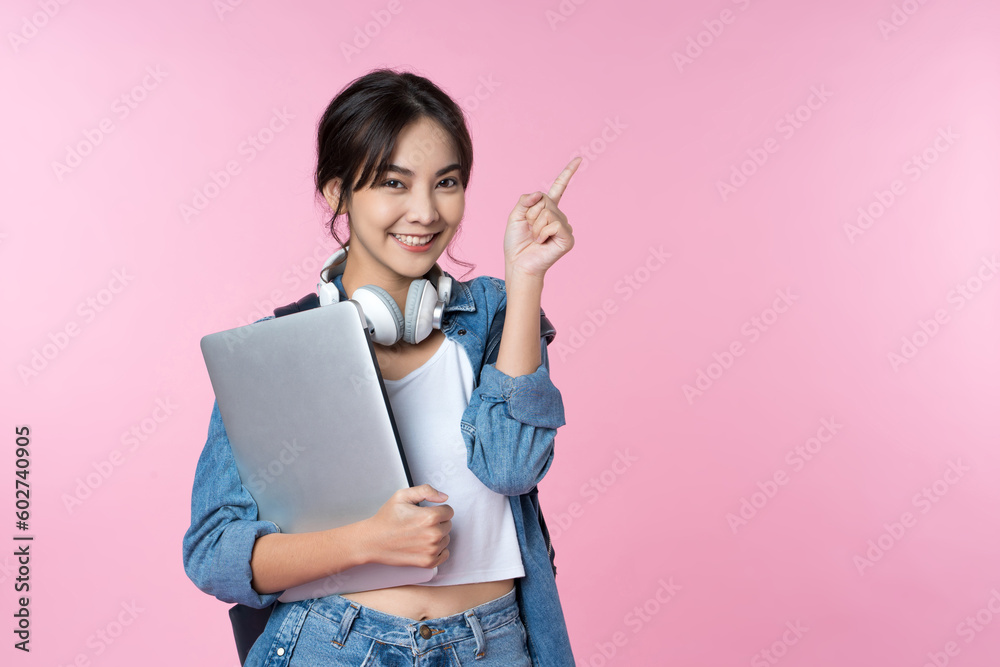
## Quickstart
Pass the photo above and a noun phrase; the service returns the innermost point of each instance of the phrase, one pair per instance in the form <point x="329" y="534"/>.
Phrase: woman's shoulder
<point x="480" y="286"/>
<point x="489" y="281"/>
<point x="478" y="296"/>
<point x="477" y="286"/>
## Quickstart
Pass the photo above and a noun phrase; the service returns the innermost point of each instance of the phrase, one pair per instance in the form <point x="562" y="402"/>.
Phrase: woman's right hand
<point x="403" y="533"/>
<point x="538" y="233"/>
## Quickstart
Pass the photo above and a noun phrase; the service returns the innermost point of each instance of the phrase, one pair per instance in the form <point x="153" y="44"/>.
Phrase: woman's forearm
<point x="280" y="561"/>
<point x="520" y="345"/>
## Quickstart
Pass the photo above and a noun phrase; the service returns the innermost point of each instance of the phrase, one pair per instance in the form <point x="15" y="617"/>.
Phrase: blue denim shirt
<point x="509" y="429"/>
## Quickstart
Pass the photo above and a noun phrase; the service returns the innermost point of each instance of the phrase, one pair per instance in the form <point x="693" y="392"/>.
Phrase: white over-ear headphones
<point x="425" y="303"/>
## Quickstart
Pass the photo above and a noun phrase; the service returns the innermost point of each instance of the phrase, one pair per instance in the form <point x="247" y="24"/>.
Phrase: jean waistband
<point x="407" y="632"/>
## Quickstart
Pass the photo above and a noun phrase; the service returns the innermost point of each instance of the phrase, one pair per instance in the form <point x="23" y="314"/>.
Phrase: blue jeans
<point x="338" y="631"/>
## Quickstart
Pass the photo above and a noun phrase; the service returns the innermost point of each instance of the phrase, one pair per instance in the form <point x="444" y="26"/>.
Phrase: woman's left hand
<point x="537" y="231"/>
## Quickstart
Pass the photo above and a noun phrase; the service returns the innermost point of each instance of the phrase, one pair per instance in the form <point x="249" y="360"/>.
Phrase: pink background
<point x="648" y="483"/>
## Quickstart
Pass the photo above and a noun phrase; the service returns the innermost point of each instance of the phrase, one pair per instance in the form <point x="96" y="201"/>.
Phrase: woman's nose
<point x="423" y="209"/>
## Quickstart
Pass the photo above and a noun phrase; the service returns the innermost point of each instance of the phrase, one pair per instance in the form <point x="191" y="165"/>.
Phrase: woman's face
<point x="400" y="226"/>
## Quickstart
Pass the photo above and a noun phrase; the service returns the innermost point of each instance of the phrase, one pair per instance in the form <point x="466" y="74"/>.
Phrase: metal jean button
<point x="425" y="632"/>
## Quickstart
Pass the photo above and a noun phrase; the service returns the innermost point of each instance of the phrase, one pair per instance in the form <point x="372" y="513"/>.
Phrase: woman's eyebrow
<point x="407" y="172"/>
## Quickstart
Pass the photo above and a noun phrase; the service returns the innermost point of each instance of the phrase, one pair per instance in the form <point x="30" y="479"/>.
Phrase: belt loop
<point x="477" y="630"/>
<point x="345" y="626"/>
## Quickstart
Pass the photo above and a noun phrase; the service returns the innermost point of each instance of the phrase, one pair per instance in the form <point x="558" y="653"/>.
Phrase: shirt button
<point x="461" y="332"/>
<point x="280" y="652"/>
<point x="425" y="632"/>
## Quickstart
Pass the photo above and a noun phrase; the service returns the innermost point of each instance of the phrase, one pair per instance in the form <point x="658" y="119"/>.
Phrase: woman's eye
<point x="393" y="183"/>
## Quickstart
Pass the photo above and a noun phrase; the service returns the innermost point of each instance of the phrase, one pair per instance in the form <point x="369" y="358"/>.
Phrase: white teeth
<point x="414" y="240"/>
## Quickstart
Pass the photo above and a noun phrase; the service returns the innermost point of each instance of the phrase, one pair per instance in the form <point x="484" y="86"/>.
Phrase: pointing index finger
<point x="557" y="189"/>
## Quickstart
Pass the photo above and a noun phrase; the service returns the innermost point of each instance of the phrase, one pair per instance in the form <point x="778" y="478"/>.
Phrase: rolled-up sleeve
<point x="510" y="426"/>
<point x="224" y="525"/>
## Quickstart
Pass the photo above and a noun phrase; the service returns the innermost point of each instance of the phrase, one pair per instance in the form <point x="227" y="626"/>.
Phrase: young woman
<point x="394" y="157"/>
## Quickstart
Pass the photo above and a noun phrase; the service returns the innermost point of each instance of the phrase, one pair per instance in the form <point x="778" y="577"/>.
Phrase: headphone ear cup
<point x="420" y="302"/>
<point x="382" y="313"/>
<point x="328" y="294"/>
<point x="443" y="288"/>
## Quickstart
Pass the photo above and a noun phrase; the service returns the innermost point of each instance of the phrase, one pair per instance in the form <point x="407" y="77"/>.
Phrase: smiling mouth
<point x="415" y="241"/>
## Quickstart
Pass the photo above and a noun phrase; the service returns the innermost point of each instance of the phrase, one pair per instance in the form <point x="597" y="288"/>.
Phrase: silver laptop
<point x="311" y="429"/>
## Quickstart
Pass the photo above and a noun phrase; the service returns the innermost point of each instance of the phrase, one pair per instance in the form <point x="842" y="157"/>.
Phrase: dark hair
<point x="357" y="133"/>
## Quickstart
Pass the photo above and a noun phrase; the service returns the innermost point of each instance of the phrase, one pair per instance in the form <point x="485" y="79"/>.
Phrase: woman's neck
<point x="396" y="285"/>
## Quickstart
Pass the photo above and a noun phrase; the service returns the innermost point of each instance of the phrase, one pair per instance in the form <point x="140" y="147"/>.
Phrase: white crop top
<point x="428" y="404"/>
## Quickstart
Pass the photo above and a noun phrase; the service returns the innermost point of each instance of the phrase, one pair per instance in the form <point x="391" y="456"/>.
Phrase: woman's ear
<point x="331" y="191"/>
